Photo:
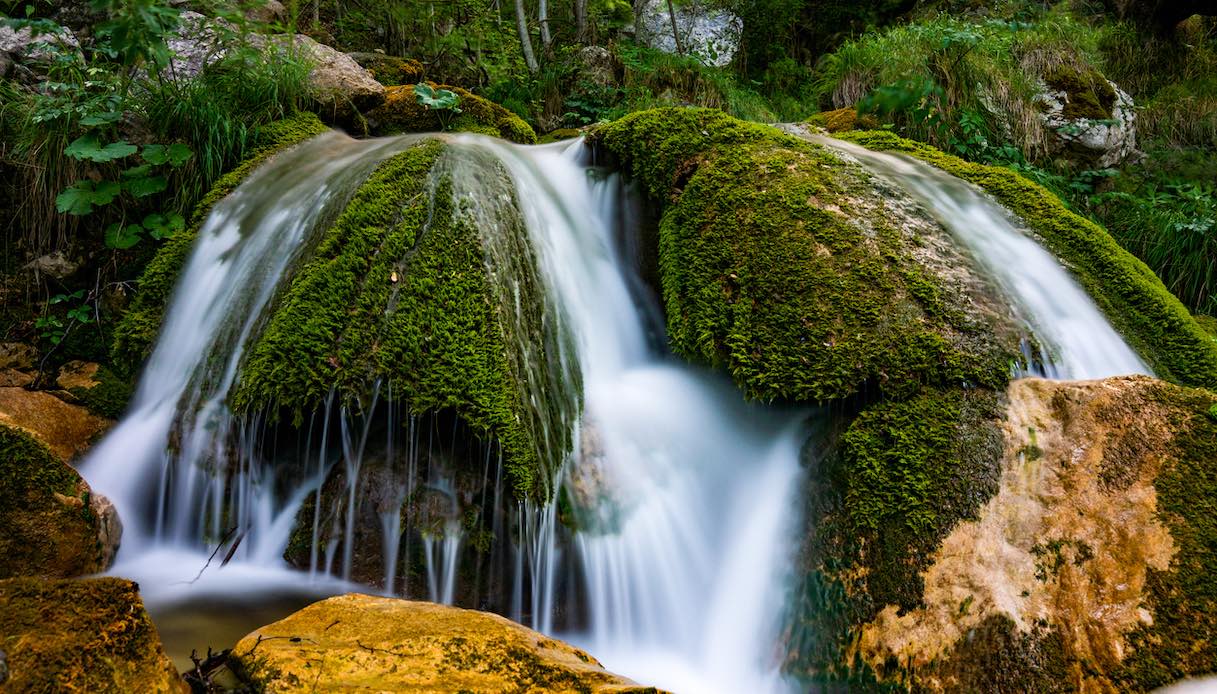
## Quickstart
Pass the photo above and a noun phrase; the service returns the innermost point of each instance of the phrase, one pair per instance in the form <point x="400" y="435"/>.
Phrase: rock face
<point x="710" y="34"/>
<point x="68" y="430"/>
<point x="361" y="642"/>
<point x="52" y="525"/>
<point x="1093" y="120"/>
<point x="1088" y="568"/>
<point x="80" y="636"/>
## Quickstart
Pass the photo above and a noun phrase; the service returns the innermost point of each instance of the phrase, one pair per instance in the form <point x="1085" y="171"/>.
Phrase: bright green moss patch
<point x="1182" y="640"/>
<point x="1136" y="302"/>
<point x="49" y="528"/>
<point x="1209" y="324"/>
<point x="779" y="262"/>
<point x="136" y="332"/>
<point x="398" y="292"/>
<point x="80" y="636"/>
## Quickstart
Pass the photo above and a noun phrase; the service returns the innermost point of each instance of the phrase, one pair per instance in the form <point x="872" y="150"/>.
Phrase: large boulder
<point x="52" y="525"/>
<point x="80" y="636"/>
<point x="1079" y="558"/>
<point x="67" y="429"/>
<point x="361" y="642"/>
<point x="710" y="34"/>
<point x="1093" y="120"/>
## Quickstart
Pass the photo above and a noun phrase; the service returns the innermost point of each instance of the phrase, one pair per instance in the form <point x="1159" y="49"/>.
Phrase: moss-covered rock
<point x="1087" y="94"/>
<point x="1077" y="551"/>
<point x="398" y="292"/>
<point x="390" y="70"/>
<point x="1136" y="302"/>
<point x="800" y="273"/>
<point x="382" y="644"/>
<point x="49" y="522"/>
<point x="842" y="119"/>
<point x="136" y="332"/>
<point x="81" y="636"/>
<point x="401" y="113"/>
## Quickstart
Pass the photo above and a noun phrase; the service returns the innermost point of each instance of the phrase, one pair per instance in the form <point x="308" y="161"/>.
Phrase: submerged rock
<point x="382" y="644"/>
<point x="1082" y="563"/>
<point x="80" y="636"/>
<point x="51" y="525"/>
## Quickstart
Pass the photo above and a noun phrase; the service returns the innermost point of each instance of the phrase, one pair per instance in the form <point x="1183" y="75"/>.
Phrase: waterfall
<point x="682" y="496"/>
<point x="1077" y="341"/>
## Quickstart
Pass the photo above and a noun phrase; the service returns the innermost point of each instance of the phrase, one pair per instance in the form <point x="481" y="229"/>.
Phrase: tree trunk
<point x="581" y="21"/>
<point x="543" y="18"/>
<point x="530" y="58"/>
<point x="675" y="33"/>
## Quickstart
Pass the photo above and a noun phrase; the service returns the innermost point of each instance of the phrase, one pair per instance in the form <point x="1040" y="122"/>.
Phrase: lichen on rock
<point x="385" y="644"/>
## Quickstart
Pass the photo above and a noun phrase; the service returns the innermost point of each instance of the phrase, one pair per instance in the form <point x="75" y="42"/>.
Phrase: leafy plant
<point x="443" y="101"/>
<point x="54" y="328"/>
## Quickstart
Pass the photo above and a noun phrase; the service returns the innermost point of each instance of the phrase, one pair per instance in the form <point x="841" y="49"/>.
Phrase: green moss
<point x="1087" y="95"/>
<point x="397" y="291"/>
<point x="109" y="397"/>
<point x="49" y="528"/>
<point x="401" y="113"/>
<point x="1182" y="640"/>
<point x="882" y="497"/>
<point x="775" y="265"/>
<point x="559" y="135"/>
<point x="1209" y="324"/>
<point x="136" y="332"/>
<point x="1136" y="302"/>
<point x="80" y="636"/>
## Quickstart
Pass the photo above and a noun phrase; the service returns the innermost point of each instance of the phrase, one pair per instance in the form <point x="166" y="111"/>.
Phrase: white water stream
<point x="685" y="494"/>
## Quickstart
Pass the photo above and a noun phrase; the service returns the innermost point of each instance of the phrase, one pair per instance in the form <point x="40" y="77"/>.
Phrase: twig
<point x="213" y="556"/>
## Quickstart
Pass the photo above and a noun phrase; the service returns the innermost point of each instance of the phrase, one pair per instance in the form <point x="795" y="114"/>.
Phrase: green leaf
<point x="141" y="171"/>
<point x="154" y="154"/>
<point x="161" y="226"/>
<point x="149" y="185"/>
<point x="83" y="196"/>
<point x="178" y="154"/>
<point x="122" y="237"/>
<point x="102" y="118"/>
<point x="88" y="147"/>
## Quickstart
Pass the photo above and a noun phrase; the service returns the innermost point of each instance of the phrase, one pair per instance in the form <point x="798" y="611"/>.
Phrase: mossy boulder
<point x="798" y="272"/>
<point x="1150" y="318"/>
<point x="88" y="635"/>
<point x="398" y="292"/>
<point x="136" y="332"/>
<point x="1071" y="548"/>
<point x="842" y="119"/>
<point x="390" y="70"/>
<point x="51" y="526"/>
<point x="401" y="113"/>
<point x="383" y="644"/>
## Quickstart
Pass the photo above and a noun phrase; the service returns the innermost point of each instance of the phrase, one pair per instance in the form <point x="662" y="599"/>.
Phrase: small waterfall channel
<point x="684" y="496"/>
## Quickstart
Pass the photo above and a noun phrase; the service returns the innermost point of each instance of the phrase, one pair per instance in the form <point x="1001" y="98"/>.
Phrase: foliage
<point x="442" y="101"/>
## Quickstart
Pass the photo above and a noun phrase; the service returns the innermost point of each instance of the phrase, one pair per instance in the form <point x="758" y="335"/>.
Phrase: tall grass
<point x="992" y="68"/>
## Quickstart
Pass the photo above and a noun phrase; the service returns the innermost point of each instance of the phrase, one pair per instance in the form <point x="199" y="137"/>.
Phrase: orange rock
<point x="67" y="430"/>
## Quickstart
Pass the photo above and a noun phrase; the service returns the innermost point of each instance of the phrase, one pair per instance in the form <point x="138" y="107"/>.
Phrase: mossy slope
<point x="136" y="332"/>
<point x="49" y="527"/>
<point x="1136" y="302"/>
<point x="401" y="113"/>
<point x="80" y="636"/>
<point x="780" y="262"/>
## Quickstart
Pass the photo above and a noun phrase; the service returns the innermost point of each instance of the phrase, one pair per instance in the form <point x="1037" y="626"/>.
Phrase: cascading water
<point x="683" y="494"/>
<point x="1078" y="341"/>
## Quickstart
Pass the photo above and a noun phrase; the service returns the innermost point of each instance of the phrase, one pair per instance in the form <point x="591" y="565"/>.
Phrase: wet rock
<point x="50" y="524"/>
<point x="710" y="34"/>
<point x="81" y="636"/>
<point x="55" y="265"/>
<point x="68" y="430"/>
<point x="383" y="644"/>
